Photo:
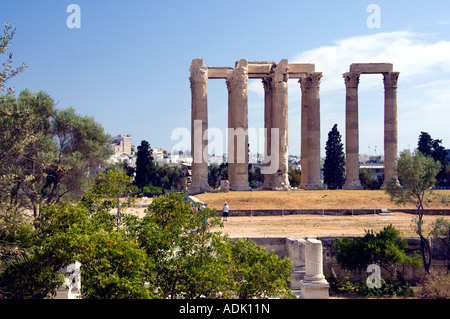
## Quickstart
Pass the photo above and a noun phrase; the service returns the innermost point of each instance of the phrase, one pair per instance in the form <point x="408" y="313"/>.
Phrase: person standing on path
<point x="225" y="211"/>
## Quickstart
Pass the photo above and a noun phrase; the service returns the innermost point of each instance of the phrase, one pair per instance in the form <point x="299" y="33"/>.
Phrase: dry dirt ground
<point x="310" y="225"/>
<point x="317" y="225"/>
<point x="314" y="225"/>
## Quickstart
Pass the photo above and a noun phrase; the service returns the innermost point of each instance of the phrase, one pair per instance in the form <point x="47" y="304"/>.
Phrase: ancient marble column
<point x="304" y="134"/>
<point x="312" y="99"/>
<point x="279" y="81"/>
<point x="268" y="176"/>
<point x="351" y="131"/>
<point x="199" y="126"/>
<point x="314" y="284"/>
<point x="390" y="126"/>
<point x="238" y="127"/>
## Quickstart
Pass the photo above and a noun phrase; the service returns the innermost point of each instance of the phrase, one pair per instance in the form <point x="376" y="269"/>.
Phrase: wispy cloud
<point x="411" y="53"/>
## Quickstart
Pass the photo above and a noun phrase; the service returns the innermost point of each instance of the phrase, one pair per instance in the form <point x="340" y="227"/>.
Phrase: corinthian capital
<point x="390" y="79"/>
<point x="279" y="73"/>
<point x="310" y="81"/>
<point x="199" y="72"/>
<point x="267" y="82"/>
<point x="351" y="79"/>
<point x="239" y="77"/>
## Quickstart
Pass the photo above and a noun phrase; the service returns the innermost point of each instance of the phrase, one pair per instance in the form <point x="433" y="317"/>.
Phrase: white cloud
<point x="410" y="53"/>
<point x="423" y="87"/>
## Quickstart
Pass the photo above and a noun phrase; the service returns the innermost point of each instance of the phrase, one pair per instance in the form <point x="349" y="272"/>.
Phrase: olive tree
<point x="417" y="177"/>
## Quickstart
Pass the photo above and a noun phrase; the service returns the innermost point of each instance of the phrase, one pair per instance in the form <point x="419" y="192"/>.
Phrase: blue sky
<point x="128" y="64"/>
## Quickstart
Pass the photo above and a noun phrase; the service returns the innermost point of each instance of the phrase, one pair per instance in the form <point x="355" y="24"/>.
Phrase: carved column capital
<point x="199" y="72"/>
<point x="310" y="81"/>
<point x="390" y="79"/>
<point x="351" y="79"/>
<point x="238" y="79"/>
<point x="279" y="74"/>
<point x="267" y="83"/>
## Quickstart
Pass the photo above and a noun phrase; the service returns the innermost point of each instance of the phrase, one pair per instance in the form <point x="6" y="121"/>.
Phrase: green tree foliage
<point x="258" y="274"/>
<point x="367" y="181"/>
<point x="216" y="173"/>
<point x="8" y="71"/>
<point x="334" y="164"/>
<point x="167" y="177"/>
<point x="170" y="253"/>
<point x="386" y="249"/>
<point x="255" y="176"/>
<point x="111" y="190"/>
<point x="295" y="176"/>
<point x="417" y="176"/>
<point x="441" y="230"/>
<point x="433" y="148"/>
<point x="50" y="161"/>
<point x="145" y="167"/>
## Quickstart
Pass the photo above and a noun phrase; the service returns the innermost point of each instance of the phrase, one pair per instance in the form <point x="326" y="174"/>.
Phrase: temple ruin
<point x="274" y="78"/>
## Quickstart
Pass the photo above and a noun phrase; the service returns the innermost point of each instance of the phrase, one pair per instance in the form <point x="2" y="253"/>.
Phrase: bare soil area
<point x="318" y="225"/>
<point x="313" y="225"/>
<point x="308" y="225"/>
<point x="298" y="199"/>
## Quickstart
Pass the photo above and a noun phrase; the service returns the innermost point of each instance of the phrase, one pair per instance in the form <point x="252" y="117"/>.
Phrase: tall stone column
<point x="351" y="131"/>
<point x="312" y="85"/>
<point x="314" y="285"/>
<point x="238" y="127"/>
<point x="199" y="126"/>
<point x="268" y="176"/>
<point x="390" y="80"/>
<point x="304" y="134"/>
<point x="279" y="81"/>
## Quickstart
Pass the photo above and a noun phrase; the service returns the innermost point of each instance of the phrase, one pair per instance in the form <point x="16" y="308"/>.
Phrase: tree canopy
<point x="417" y="176"/>
<point x="433" y="148"/>
<point x="334" y="164"/>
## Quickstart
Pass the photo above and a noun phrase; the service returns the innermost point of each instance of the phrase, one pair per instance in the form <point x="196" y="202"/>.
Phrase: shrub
<point x="435" y="286"/>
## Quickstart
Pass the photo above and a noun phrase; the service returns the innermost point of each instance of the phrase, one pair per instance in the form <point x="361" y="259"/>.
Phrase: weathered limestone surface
<point x="351" y="131"/>
<point x="268" y="178"/>
<point x="199" y="125"/>
<point x="390" y="79"/>
<point x="314" y="285"/>
<point x="238" y="127"/>
<point x="390" y="126"/>
<point x="274" y="77"/>
<point x="312" y="100"/>
<point x="304" y="134"/>
<point x="370" y="68"/>
<point x="280" y="121"/>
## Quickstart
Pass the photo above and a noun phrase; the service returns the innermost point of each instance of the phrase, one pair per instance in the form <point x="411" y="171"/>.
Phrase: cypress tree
<point x="334" y="165"/>
<point x="144" y="165"/>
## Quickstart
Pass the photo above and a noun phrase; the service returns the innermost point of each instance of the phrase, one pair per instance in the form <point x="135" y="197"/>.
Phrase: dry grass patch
<point x="298" y="199"/>
<point x="313" y="225"/>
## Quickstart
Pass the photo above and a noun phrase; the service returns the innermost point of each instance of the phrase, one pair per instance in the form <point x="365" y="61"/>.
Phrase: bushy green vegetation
<point x="390" y="288"/>
<point x="385" y="249"/>
<point x="170" y="253"/>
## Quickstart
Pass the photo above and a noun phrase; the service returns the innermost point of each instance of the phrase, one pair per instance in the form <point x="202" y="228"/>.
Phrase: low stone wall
<point x="293" y="248"/>
<point x="332" y="212"/>
<point x="332" y="268"/>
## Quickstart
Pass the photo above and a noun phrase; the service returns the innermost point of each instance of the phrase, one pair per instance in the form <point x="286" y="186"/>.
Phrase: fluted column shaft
<point x="351" y="131"/>
<point x="312" y="99"/>
<point x="279" y="80"/>
<point x="199" y="127"/>
<point x="268" y="177"/>
<point x="238" y="127"/>
<point x="304" y="134"/>
<point x="390" y="126"/>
